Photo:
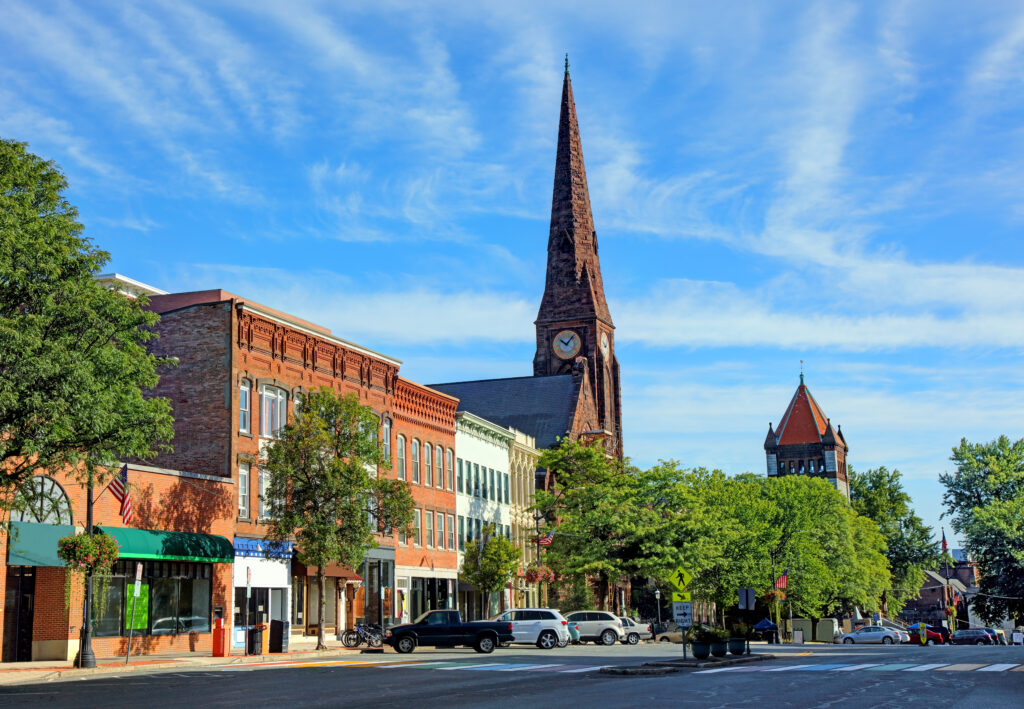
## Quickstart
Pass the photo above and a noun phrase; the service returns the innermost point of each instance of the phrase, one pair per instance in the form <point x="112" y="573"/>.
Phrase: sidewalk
<point x="49" y="670"/>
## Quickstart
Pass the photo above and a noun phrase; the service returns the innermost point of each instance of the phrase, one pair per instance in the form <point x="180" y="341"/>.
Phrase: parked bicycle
<point x="370" y="634"/>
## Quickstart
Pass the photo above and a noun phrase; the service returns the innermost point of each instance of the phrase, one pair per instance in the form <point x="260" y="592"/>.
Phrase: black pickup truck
<point x="446" y="629"/>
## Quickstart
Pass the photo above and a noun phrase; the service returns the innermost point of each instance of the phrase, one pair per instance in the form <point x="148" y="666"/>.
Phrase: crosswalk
<point x="440" y="665"/>
<point x="873" y="667"/>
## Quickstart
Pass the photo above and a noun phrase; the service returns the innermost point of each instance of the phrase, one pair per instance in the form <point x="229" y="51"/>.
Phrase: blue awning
<point x="262" y="548"/>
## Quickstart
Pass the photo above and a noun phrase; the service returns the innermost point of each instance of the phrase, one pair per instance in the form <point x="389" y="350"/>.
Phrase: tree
<point x="324" y="489"/>
<point x="73" y="359"/>
<point x="489" y="563"/>
<point x="878" y="495"/>
<point x="985" y="497"/>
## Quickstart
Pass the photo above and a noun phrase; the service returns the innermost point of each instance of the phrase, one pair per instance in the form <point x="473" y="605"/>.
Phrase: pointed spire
<point x="771" y="442"/>
<point x="572" y="241"/>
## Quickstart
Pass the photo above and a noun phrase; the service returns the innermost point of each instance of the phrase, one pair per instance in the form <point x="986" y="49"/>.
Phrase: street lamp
<point x="657" y="603"/>
<point x="538" y="518"/>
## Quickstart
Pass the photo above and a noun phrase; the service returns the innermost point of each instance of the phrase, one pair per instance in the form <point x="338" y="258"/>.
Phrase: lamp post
<point x="86" y="656"/>
<point x="657" y="604"/>
<point x="538" y="518"/>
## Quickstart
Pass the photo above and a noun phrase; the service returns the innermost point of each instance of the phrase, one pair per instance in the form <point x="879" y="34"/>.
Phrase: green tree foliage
<point x="323" y="488"/>
<point x="878" y="494"/>
<point x="73" y="359"/>
<point x="489" y="563"/>
<point x="985" y="497"/>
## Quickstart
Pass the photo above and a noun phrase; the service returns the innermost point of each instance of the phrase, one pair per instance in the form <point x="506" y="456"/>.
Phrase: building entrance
<point x="19" y="609"/>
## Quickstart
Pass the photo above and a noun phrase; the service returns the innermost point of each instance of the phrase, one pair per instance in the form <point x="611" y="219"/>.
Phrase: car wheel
<point x="563" y="643"/>
<point x="609" y="637"/>
<point x="485" y="644"/>
<point x="980" y="642"/>
<point x="887" y="640"/>
<point x="931" y="642"/>
<point x="547" y="640"/>
<point x="847" y="641"/>
<point x="663" y="639"/>
<point x="504" y="644"/>
<point x="633" y="638"/>
<point x="405" y="644"/>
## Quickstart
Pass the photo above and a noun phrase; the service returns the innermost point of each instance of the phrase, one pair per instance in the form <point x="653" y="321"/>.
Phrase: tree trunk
<point x="321" y="606"/>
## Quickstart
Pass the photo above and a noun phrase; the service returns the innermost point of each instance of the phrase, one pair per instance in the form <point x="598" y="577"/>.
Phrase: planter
<point x="737" y="646"/>
<point x="719" y="648"/>
<point x="701" y="650"/>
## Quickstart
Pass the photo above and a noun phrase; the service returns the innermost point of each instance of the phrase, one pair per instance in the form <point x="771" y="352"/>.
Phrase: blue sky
<point x="771" y="182"/>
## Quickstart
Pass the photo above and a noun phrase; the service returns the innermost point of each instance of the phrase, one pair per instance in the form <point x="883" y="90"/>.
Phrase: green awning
<point x="33" y="544"/>
<point x="171" y="546"/>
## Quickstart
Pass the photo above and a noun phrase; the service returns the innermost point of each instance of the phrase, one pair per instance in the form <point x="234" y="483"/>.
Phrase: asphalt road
<point x="807" y="676"/>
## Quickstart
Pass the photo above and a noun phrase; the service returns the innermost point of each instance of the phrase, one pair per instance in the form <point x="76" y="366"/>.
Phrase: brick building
<point x="806" y="443"/>
<point x="419" y="437"/>
<point x="180" y="533"/>
<point x="241" y="367"/>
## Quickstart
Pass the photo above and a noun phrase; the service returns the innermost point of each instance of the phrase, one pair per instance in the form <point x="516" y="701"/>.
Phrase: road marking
<point x="1018" y="669"/>
<point x="466" y="667"/>
<point x="889" y="668"/>
<point x="413" y="663"/>
<point x="581" y="669"/>
<point x="720" y="669"/>
<point x="551" y="668"/>
<point x="958" y="668"/>
<point x="786" y="669"/>
<point x="854" y="668"/>
<point x="926" y="668"/>
<point x="816" y="668"/>
<point x="998" y="668"/>
<point x="519" y="668"/>
<point x="495" y="668"/>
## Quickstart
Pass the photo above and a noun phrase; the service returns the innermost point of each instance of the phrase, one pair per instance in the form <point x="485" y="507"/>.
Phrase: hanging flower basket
<point x="536" y="573"/>
<point x="87" y="555"/>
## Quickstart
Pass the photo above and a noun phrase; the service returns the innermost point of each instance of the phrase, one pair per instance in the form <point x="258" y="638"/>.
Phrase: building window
<point x="428" y="527"/>
<point x="400" y="456"/>
<point x="451" y="531"/>
<point x="176" y="599"/>
<point x="506" y="489"/>
<point x="428" y="468"/>
<point x="448" y="456"/>
<point x="492" y="490"/>
<point x="476" y="481"/>
<point x="417" y="535"/>
<point x="385" y="433"/>
<point x="264" y="482"/>
<point x="273" y="410"/>
<point x="244" y="406"/>
<point x="477" y="528"/>
<point x="462" y="532"/>
<point x="439" y="466"/>
<point x="415" y="461"/>
<point x="41" y="500"/>
<point x="243" y="490"/>
<point x="458" y="480"/>
<point x="440" y="530"/>
<point x="801" y="469"/>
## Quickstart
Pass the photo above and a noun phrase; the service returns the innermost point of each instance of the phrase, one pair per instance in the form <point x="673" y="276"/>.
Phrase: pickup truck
<point x="446" y="629"/>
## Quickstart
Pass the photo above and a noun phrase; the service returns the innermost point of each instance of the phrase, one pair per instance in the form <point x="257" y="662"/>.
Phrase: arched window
<point x="41" y="500"/>
<point x="415" y="460"/>
<point x="385" y="434"/>
<point x="428" y="467"/>
<point x="400" y="456"/>
<point x="439" y="466"/>
<point x="448" y="456"/>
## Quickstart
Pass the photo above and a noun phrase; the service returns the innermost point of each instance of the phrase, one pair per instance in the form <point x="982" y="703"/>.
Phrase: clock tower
<point x="575" y="333"/>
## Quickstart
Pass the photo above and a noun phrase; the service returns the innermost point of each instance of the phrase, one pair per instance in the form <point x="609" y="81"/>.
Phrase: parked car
<point x="670" y="636"/>
<point x="446" y="629"/>
<point x="972" y="636"/>
<point x="574" y="632"/>
<point x="599" y="626"/>
<point x="904" y="635"/>
<point x="635" y="631"/>
<point x="873" y="634"/>
<point x="543" y="627"/>
<point x="942" y="632"/>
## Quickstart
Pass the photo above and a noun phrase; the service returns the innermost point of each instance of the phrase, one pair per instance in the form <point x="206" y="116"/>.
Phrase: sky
<point x="837" y="184"/>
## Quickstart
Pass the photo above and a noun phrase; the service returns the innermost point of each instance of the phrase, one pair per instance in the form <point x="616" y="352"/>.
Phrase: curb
<point x="637" y="670"/>
<point x="703" y="664"/>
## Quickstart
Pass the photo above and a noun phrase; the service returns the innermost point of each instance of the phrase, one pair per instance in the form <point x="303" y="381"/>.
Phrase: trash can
<point x="255" y="640"/>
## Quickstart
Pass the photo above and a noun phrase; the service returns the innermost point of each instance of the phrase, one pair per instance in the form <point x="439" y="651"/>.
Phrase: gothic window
<point x="41" y="500"/>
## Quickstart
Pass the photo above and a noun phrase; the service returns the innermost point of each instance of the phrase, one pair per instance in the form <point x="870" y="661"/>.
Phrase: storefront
<point x="262" y="590"/>
<point x="340" y="587"/>
<point x="378" y="591"/>
<point x="421" y="590"/>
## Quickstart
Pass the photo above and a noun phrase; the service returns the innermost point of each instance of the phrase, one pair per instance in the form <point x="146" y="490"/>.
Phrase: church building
<point x="806" y="444"/>
<point x="574" y="390"/>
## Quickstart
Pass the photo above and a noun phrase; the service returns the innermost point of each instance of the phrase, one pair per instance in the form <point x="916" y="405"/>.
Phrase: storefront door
<point x="19" y="608"/>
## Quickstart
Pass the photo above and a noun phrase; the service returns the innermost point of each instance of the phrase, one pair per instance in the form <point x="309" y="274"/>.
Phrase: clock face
<point x="566" y="344"/>
<point x="604" y="343"/>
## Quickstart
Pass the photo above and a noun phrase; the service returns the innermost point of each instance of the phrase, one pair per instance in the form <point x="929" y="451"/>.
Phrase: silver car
<point x="873" y="634"/>
<point x="635" y="632"/>
<point x="599" y="626"/>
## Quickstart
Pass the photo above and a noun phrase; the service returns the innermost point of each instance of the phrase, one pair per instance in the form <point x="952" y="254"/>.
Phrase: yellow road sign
<point x="681" y="597"/>
<point x="680" y="578"/>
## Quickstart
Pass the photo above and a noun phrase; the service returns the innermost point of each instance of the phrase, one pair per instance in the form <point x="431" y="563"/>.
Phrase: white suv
<point x="543" y="627"/>
<point x="599" y="626"/>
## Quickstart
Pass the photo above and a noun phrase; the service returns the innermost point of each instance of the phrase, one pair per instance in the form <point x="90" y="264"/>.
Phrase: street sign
<point x="248" y="582"/>
<point x="138" y="579"/>
<point x="681" y="578"/>
<point x="682" y="613"/>
<point x="681" y="596"/>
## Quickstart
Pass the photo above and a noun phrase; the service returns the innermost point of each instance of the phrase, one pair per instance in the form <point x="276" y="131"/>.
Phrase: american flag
<point x="782" y="581"/>
<point x="546" y="541"/>
<point x="119" y="488"/>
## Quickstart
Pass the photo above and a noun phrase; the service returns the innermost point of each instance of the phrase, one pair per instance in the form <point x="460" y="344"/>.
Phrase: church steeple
<point x="573" y="287"/>
<point x="575" y="333"/>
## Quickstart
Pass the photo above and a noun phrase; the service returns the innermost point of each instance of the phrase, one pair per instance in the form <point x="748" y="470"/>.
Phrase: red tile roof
<point x="804" y="421"/>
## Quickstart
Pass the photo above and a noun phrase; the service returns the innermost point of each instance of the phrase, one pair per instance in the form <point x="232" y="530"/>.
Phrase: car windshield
<point x="432" y="618"/>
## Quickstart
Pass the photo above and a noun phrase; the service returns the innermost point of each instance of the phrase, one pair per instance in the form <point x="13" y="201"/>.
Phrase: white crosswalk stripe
<point x="997" y="668"/>
<point x="854" y="668"/>
<point x="580" y="669"/>
<point x="925" y="668"/>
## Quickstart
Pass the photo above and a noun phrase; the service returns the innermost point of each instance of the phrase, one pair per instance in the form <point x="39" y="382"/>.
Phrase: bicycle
<point x="371" y="635"/>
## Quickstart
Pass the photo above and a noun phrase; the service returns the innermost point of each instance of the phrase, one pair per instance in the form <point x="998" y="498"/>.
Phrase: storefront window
<point x="108" y="608"/>
<point x="174" y="598"/>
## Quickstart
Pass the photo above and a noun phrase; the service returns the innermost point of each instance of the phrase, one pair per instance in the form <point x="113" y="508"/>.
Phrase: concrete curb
<point x="704" y="664"/>
<point x="637" y="670"/>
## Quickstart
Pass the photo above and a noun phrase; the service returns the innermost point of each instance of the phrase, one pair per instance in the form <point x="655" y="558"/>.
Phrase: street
<point x="801" y="676"/>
